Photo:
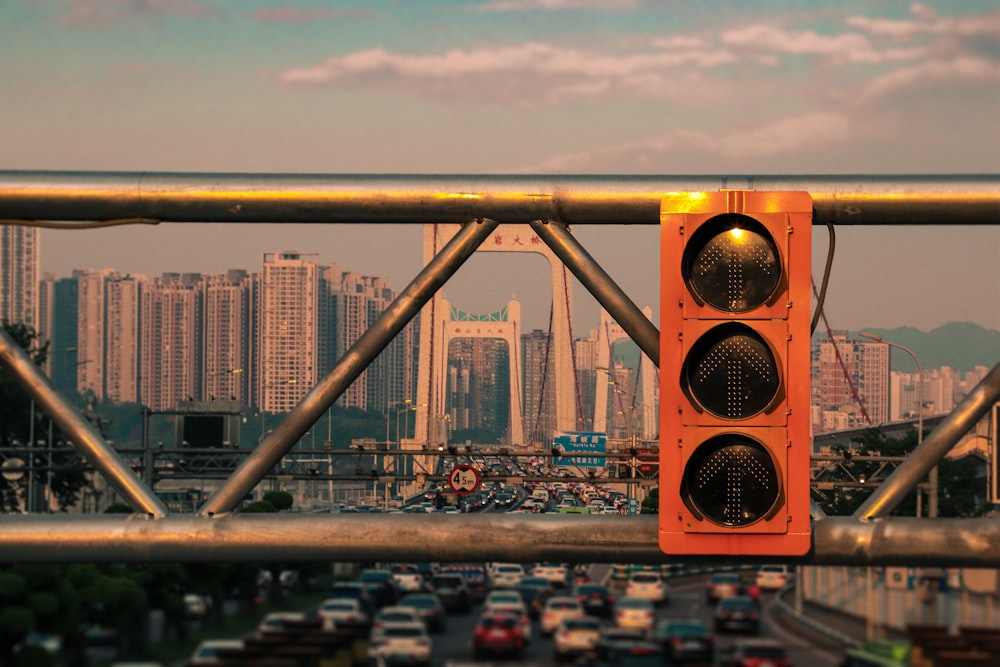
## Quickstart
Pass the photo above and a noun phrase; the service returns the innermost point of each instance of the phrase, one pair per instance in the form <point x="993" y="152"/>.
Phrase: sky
<point x="611" y="87"/>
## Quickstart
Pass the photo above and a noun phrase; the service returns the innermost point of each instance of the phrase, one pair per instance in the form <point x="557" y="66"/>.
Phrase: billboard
<point x="584" y="449"/>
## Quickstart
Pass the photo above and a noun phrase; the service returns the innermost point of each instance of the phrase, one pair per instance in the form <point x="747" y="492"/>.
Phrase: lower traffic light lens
<point x="731" y="372"/>
<point x="731" y="480"/>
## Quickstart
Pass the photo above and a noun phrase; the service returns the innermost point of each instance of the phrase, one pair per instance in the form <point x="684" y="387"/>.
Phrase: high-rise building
<point x="227" y="334"/>
<point x="478" y="387"/>
<point x="850" y="383"/>
<point x="58" y="321"/>
<point x="538" y="371"/>
<point x="19" y="275"/>
<point x="287" y="365"/>
<point x="171" y="354"/>
<point x="108" y="334"/>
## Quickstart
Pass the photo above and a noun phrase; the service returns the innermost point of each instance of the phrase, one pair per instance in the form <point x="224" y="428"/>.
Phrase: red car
<point x="498" y="634"/>
<point x="754" y="652"/>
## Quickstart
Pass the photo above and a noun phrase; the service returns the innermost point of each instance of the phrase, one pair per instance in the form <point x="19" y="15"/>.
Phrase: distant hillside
<point x="961" y="345"/>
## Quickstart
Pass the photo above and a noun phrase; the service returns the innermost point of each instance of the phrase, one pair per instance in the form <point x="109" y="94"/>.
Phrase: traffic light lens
<point x="731" y="372"/>
<point x="732" y="264"/>
<point x="731" y="480"/>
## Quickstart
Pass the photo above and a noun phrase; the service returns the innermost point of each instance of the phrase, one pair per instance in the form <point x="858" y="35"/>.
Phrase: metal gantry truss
<point x="550" y="204"/>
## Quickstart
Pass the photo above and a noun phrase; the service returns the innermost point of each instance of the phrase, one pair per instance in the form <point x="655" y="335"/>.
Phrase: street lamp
<point x="932" y="503"/>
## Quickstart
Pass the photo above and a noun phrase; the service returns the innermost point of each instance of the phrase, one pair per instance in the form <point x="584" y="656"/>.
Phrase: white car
<point x="407" y="577"/>
<point x="341" y="611"/>
<point x="575" y="637"/>
<point x="207" y="652"/>
<point x="504" y="600"/>
<point x="773" y="577"/>
<point x="637" y="613"/>
<point x="647" y="585"/>
<point x="556" y="574"/>
<point x="558" y="608"/>
<point x="393" y="615"/>
<point x="403" y="641"/>
<point x="275" y="621"/>
<point x="507" y="575"/>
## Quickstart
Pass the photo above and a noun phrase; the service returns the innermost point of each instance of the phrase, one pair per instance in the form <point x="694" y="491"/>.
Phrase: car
<point x="452" y="591"/>
<point x="498" y="634"/>
<point x="723" y="585"/>
<point x="408" y="577"/>
<point x="737" y="613"/>
<point x="430" y="608"/>
<point x="402" y="644"/>
<point x="623" y="653"/>
<point x="685" y="640"/>
<point x="342" y="612"/>
<point x="773" y="577"/>
<point x="754" y="652"/>
<point x="391" y="615"/>
<point x="597" y="599"/>
<point x="555" y="573"/>
<point x="534" y="598"/>
<point x="207" y="652"/>
<point x="507" y="575"/>
<point x="556" y="609"/>
<point x="354" y="590"/>
<point x="275" y="621"/>
<point x="575" y="637"/>
<point x="648" y="585"/>
<point x="634" y="613"/>
<point x="381" y="586"/>
<point x="195" y="606"/>
<point x="503" y="600"/>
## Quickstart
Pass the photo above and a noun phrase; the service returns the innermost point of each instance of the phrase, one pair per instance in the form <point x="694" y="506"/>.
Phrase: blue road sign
<point x="582" y="448"/>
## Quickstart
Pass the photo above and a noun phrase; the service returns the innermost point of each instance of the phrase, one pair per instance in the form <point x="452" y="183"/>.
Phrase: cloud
<point x="290" y="14"/>
<point x="926" y="74"/>
<point x="555" y="5"/>
<point x="842" y="48"/>
<point x="789" y="135"/>
<point x="104" y="13"/>
<point x="525" y="75"/>
<point x="925" y="21"/>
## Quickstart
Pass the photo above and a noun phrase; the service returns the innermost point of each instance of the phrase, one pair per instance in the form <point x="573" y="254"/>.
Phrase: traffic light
<point x="734" y="379"/>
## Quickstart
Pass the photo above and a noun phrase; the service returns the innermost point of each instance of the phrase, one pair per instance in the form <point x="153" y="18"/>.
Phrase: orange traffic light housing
<point x="734" y="358"/>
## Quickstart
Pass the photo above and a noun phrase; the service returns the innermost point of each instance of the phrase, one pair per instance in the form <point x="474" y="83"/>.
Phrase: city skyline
<point x="523" y="87"/>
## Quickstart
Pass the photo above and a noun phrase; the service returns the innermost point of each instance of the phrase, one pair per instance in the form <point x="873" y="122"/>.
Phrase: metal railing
<point x="479" y="203"/>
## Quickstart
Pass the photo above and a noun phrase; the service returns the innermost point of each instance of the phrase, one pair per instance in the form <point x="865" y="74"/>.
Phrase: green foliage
<point x="15" y="622"/>
<point x="280" y="500"/>
<point x="118" y="508"/>
<point x="12" y="587"/>
<point x="961" y="482"/>
<point x="651" y="503"/>
<point x="258" y="506"/>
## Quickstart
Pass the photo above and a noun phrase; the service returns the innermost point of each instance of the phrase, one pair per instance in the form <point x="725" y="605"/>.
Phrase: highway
<point x="453" y="647"/>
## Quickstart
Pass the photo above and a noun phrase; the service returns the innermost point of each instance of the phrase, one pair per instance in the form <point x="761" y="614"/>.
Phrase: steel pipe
<point x="470" y="537"/>
<point x="602" y="286"/>
<point x="420" y="199"/>
<point x="929" y="453"/>
<point x="84" y="435"/>
<point x="368" y="346"/>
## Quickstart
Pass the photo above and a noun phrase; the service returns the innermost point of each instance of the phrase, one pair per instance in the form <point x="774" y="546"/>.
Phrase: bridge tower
<point x="608" y="333"/>
<point x="431" y="381"/>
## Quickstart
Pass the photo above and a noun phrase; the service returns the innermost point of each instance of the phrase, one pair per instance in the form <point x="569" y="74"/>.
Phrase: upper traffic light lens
<point x="731" y="372"/>
<point x="732" y="264"/>
<point x="731" y="480"/>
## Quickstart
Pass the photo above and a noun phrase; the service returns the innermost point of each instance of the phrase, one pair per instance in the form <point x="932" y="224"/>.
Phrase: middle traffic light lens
<point x="731" y="372"/>
<point x="732" y="264"/>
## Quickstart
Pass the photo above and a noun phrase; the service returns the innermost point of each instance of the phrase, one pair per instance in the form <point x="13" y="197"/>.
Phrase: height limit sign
<point x="463" y="479"/>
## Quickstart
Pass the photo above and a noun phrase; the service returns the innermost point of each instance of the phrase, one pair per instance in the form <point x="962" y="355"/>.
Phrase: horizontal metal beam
<point x="419" y="199"/>
<point x="467" y="537"/>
